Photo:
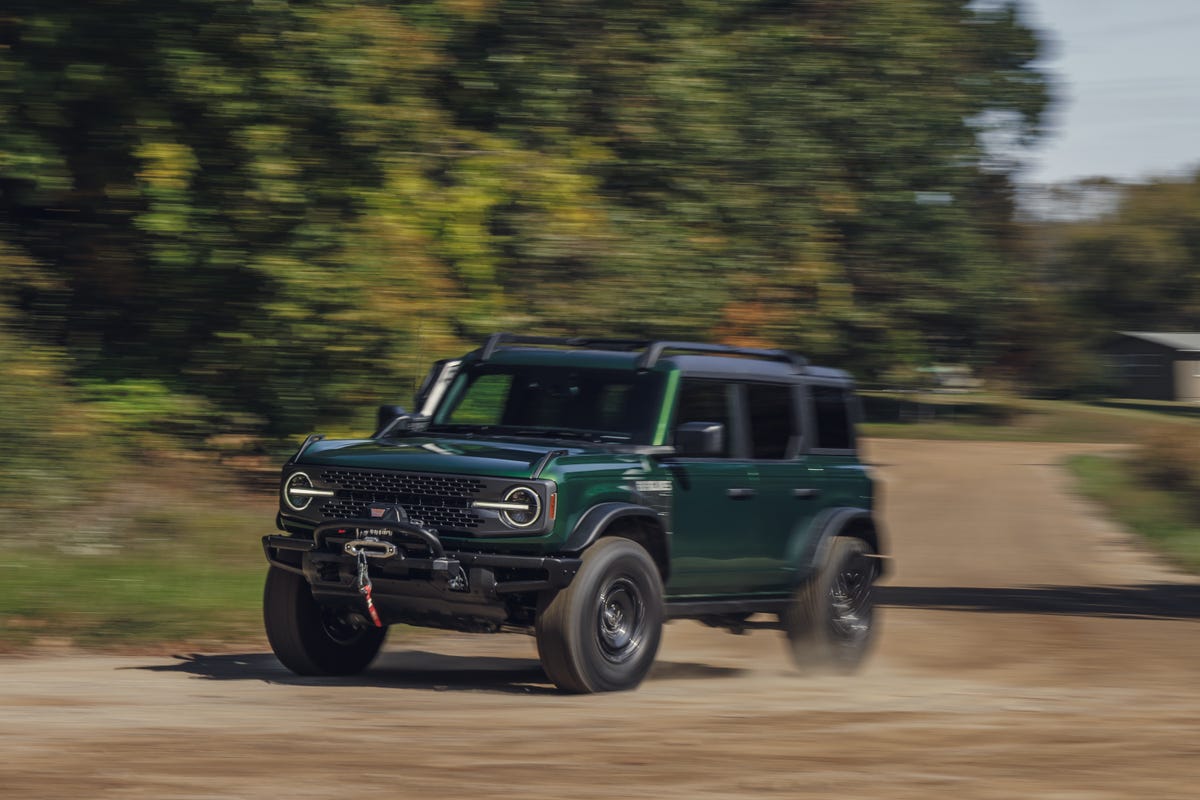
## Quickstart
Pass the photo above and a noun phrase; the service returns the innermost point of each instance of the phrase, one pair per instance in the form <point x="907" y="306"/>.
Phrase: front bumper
<point x="423" y="584"/>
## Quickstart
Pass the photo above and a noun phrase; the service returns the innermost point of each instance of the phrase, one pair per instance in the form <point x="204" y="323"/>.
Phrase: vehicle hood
<point x="497" y="458"/>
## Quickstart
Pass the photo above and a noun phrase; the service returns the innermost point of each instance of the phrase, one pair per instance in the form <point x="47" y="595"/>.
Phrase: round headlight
<point x="522" y="518"/>
<point x="298" y="500"/>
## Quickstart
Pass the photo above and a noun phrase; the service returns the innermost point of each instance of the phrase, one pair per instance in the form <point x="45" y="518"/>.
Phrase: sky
<point x="1128" y="89"/>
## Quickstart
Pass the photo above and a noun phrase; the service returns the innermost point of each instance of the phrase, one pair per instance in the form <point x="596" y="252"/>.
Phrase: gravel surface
<point x="1028" y="650"/>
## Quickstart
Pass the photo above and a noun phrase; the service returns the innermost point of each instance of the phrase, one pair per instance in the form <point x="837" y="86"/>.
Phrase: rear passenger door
<point x="833" y="457"/>
<point x="789" y="486"/>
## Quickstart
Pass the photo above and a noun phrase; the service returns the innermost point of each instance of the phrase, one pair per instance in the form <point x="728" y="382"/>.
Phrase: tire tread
<point x="292" y="620"/>
<point x="560" y="630"/>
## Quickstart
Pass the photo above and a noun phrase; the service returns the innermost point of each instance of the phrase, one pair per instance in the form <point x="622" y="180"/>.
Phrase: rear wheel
<point x="601" y="633"/>
<point x="831" y="621"/>
<point x="311" y="639"/>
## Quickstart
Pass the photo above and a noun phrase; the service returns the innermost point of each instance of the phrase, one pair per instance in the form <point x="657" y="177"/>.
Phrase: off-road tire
<point x="601" y="633"/>
<point x="831" y="622"/>
<point x="309" y="639"/>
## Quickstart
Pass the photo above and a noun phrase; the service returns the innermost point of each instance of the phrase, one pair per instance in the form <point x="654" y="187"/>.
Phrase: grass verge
<point x="1011" y="419"/>
<point x="183" y="572"/>
<point x="1164" y="518"/>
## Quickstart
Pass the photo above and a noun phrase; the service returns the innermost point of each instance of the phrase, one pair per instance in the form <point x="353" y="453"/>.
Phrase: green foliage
<point x="1136" y="267"/>
<point x="1167" y="520"/>
<point x="39" y="430"/>
<point x="1000" y="418"/>
<point x="135" y="406"/>
<point x="281" y="210"/>
<point x="1125" y="258"/>
<point x="44" y="433"/>
<point x="178" y="574"/>
<point x="1170" y="461"/>
<point x="808" y="175"/>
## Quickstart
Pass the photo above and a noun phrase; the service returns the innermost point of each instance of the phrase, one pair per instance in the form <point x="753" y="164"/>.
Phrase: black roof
<point x="697" y="358"/>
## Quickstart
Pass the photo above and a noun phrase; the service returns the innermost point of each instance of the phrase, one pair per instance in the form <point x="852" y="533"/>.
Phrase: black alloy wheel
<point x="831" y="622"/>
<point x="621" y="620"/>
<point x="310" y="639"/>
<point x="602" y="632"/>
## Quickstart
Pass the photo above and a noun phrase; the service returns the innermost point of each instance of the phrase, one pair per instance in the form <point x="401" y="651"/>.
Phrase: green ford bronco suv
<point x="586" y="491"/>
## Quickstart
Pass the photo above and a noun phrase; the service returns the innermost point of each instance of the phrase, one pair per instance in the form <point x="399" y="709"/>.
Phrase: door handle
<point x="804" y="494"/>
<point x="739" y="494"/>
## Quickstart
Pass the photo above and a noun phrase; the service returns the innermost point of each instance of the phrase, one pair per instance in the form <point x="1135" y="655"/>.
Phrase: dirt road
<point x="1028" y="651"/>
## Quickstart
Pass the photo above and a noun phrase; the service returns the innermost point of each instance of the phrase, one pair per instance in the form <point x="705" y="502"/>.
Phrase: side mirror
<point x="700" y="439"/>
<point x="389" y="418"/>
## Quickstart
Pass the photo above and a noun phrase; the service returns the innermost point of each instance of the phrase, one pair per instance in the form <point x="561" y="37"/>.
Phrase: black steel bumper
<point x="422" y="583"/>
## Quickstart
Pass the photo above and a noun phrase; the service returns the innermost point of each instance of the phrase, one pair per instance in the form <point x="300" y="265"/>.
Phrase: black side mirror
<point x="387" y="419"/>
<point x="700" y="439"/>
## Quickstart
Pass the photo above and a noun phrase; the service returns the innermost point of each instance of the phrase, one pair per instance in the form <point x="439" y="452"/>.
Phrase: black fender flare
<point x="600" y="517"/>
<point x="832" y="522"/>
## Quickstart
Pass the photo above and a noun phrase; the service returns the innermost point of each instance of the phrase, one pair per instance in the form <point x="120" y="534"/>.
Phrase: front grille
<point x="407" y="483"/>
<point x="439" y="501"/>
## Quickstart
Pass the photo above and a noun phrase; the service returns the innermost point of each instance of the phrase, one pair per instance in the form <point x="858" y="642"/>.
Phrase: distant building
<point x="1157" y="366"/>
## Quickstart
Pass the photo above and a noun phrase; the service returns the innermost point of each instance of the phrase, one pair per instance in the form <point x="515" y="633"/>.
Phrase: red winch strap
<point x="366" y="590"/>
<point x="364" y="587"/>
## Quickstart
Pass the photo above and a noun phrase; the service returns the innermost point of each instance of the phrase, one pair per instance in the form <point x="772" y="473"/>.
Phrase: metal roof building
<point x="1157" y="366"/>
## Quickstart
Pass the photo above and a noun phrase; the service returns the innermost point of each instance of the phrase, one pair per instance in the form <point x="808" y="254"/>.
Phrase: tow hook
<point x="457" y="580"/>
<point x="456" y="576"/>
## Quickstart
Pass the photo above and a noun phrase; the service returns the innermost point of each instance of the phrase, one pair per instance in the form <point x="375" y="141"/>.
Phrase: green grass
<point x="1010" y="419"/>
<point x="184" y="574"/>
<point x="1162" y="517"/>
<point x="166" y="555"/>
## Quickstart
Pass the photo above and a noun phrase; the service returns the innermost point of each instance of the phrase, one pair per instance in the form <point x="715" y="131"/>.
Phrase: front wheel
<point x="601" y="633"/>
<point x="831" y="621"/>
<point x="310" y="639"/>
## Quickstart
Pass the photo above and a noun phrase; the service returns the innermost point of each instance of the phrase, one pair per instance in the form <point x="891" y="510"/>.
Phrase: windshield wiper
<point x="541" y="433"/>
<point x="460" y="427"/>
<point x="562" y="433"/>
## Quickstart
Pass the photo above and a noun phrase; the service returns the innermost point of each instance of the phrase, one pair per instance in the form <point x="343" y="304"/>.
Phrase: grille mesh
<point x="402" y="483"/>
<point x="437" y="500"/>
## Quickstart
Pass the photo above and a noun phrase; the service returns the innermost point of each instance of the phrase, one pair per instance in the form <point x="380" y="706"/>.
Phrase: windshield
<point x="553" y="402"/>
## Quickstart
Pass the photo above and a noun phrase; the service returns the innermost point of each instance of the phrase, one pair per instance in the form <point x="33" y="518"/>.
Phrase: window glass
<point x="602" y="404"/>
<point x="484" y="403"/>
<point x="772" y="420"/>
<point x="833" y="418"/>
<point x="706" y="401"/>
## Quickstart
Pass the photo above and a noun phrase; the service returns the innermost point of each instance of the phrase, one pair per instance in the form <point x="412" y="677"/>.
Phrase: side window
<point x="773" y="426"/>
<point x="611" y="405"/>
<point x="706" y="401"/>
<point x="832" y="409"/>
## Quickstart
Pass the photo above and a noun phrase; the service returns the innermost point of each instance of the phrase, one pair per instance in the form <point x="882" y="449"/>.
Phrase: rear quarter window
<point x="831" y="408"/>
<point x="773" y="430"/>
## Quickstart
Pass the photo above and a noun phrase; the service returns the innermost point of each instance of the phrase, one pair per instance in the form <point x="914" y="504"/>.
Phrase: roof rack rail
<point x="652" y="351"/>
<point x="655" y="350"/>
<point x="494" y="342"/>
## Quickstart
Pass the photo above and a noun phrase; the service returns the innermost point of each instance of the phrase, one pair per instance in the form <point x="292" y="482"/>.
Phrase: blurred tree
<point x="38" y="423"/>
<point x="285" y="208"/>
<point x="238" y="198"/>
<point x="1138" y="266"/>
<point x="1131" y="263"/>
<point x="812" y="174"/>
